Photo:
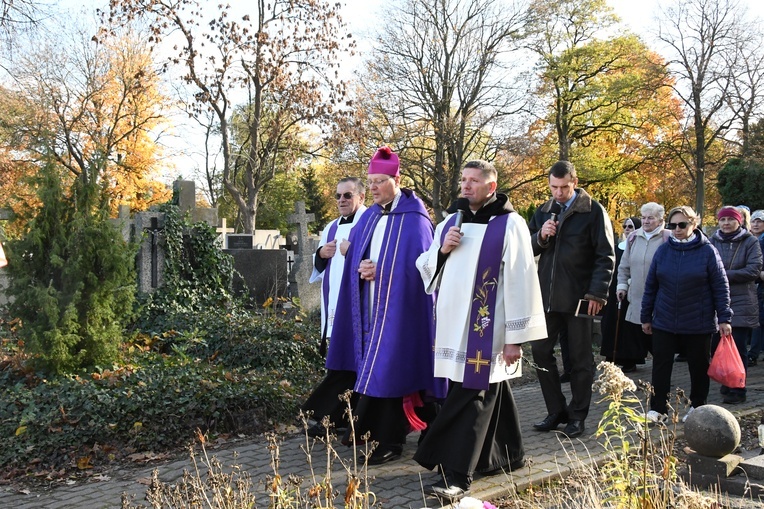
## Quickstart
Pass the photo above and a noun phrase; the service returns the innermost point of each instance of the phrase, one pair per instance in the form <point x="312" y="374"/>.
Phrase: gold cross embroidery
<point x="478" y="361"/>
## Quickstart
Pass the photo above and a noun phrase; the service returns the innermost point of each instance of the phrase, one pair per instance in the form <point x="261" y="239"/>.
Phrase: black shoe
<point x="381" y="456"/>
<point x="629" y="368"/>
<point x="317" y="431"/>
<point x="450" y="489"/>
<point x="551" y="422"/>
<point x="565" y="378"/>
<point x="680" y="358"/>
<point x="574" y="429"/>
<point x="515" y="465"/>
<point x="724" y="390"/>
<point x="734" y="398"/>
<point x="752" y="362"/>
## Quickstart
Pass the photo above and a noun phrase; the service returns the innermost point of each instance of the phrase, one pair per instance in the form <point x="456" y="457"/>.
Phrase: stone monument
<point x="299" y="276"/>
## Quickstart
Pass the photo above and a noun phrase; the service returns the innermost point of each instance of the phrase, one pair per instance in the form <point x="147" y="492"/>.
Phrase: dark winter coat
<point x="686" y="288"/>
<point x="579" y="261"/>
<point x="741" y="257"/>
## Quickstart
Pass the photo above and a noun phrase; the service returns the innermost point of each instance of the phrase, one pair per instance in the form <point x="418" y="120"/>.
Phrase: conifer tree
<point x="72" y="278"/>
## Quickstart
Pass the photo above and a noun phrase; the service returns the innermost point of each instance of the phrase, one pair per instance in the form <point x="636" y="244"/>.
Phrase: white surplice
<point x="337" y="268"/>
<point x="519" y="313"/>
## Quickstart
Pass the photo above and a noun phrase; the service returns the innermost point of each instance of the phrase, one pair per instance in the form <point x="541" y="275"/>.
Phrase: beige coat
<point x="632" y="271"/>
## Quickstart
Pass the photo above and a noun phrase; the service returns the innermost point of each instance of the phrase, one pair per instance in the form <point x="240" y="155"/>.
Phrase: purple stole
<point x="477" y="368"/>
<point x="451" y="221"/>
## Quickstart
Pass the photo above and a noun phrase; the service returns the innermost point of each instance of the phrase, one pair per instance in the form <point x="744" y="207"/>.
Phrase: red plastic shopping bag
<point x="727" y="366"/>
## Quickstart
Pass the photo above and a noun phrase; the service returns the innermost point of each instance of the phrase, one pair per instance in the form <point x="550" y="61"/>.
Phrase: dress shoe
<point x="629" y="368"/>
<point x="450" y="489"/>
<point x="733" y="398"/>
<point x="574" y="429"/>
<point x="515" y="465"/>
<point x="381" y="456"/>
<point x="551" y="422"/>
<point x="317" y="431"/>
<point x="724" y="390"/>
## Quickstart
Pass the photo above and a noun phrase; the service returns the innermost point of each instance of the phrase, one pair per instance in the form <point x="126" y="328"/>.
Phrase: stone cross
<point x="223" y="231"/>
<point x="301" y="219"/>
<point x="154" y="230"/>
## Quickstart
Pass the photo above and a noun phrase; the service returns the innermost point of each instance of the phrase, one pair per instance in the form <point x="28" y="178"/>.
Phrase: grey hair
<point x="360" y="187"/>
<point x="652" y="208"/>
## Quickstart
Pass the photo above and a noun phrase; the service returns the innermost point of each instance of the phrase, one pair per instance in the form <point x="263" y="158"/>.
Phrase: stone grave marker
<point x="240" y="241"/>
<point x="223" y="231"/>
<point x="299" y="276"/>
<point x="151" y="256"/>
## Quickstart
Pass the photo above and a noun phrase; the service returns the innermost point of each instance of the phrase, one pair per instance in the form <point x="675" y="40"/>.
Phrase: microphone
<point x="461" y="205"/>
<point x="554" y="211"/>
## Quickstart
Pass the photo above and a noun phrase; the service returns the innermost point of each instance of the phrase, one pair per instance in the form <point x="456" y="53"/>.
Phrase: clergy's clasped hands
<point x="368" y="270"/>
<point x="452" y="239"/>
<point x="344" y="246"/>
<point x="327" y="250"/>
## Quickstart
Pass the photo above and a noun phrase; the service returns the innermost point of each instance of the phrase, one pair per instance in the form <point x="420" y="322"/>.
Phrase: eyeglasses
<point x="628" y="227"/>
<point x="372" y="183"/>
<point x="674" y="226"/>
<point x="347" y="195"/>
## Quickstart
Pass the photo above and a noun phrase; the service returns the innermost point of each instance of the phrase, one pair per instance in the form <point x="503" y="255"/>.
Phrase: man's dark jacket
<point x="578" y="262"/>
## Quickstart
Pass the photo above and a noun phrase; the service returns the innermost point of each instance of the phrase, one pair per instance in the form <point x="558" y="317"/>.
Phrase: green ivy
<point x="155" y="402"/>
<point x="197" y="275"/>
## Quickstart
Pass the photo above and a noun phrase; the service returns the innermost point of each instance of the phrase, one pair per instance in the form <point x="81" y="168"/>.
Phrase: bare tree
<point x="281" y="61"/>
<point x="704" y="39"/>
<point x="439" y="88"/>
<point x="746" y="94"/>
<point x="15" y="13"/>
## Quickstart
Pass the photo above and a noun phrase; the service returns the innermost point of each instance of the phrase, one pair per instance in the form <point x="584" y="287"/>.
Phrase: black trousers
<point x="697" y="349"/>
<point x="581" y="365"/>
<point x="324" y="400"/>
<point x="383" y="419"/>
<point x="475" y="431"/>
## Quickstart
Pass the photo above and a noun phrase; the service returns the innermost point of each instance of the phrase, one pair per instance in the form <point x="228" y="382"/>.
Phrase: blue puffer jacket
<point x="686" y="288"/>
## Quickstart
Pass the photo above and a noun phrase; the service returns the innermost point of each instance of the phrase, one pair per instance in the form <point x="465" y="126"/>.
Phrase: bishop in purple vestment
<point x="388" y="336"/>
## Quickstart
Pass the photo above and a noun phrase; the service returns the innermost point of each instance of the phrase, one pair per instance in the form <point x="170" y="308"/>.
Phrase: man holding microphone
<point x="480" y="327"/>
<point x="573" y="235"/>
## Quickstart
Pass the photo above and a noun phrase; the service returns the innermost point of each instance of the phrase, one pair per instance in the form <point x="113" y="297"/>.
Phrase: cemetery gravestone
<point x="151" y="256"/>
<point x="299" y="276"/>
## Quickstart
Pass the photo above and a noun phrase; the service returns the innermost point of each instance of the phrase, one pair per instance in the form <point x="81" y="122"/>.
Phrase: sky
<point x="360" y="15"/>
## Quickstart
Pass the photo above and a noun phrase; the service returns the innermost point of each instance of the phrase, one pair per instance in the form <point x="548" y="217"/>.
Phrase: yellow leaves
<point x="351" y="493"/>
<point x="84" y="463"/>
<point x="21" y="430"/>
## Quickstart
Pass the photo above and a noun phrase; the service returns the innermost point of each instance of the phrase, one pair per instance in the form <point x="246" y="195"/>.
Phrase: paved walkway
<point x="397" y="484"/>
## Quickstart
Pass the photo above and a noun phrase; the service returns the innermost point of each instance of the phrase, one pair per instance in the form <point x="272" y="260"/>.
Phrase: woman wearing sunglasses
<point x="741" y="255"/>
<point x="686" y="296"/>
